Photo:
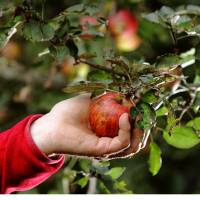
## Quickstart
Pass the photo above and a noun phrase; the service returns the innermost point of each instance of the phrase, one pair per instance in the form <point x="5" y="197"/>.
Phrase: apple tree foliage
<point x="57" y="61"/>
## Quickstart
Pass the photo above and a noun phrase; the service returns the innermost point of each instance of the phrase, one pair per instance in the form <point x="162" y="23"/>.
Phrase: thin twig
<point x="193" y="97"/>
<point x="175" y="41"/>
<point x="100" y="67"/>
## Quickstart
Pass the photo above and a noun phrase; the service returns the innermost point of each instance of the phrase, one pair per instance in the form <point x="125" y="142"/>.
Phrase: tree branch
<point x="100" y="67"/>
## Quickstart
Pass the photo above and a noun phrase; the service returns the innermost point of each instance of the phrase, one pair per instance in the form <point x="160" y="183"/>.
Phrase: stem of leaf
<point x="175" y="41"/>
<point x="43" y="5"/>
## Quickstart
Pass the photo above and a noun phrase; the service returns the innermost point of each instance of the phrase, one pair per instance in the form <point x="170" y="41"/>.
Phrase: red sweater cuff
<point x="23" y="165"/>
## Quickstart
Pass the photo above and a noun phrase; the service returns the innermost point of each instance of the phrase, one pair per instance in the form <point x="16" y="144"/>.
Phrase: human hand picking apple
<point x="65" y="129"/>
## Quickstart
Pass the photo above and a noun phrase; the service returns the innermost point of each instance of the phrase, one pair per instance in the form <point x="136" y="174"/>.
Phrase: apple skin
<point x="122" y="22"/>
<point x="83" y="22"/>
<point x="105" y="111"/>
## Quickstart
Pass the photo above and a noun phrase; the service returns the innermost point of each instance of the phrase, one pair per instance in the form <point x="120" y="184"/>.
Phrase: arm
<point x="22" y="165"/>
<point x="24" y="148"/>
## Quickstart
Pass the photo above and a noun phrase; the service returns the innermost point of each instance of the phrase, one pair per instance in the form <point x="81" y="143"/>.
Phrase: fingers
<point x="124" y="122"/>
<point x="117" y="144"/>
<point x="135" y="146"/>
<point x="85" y="142"/>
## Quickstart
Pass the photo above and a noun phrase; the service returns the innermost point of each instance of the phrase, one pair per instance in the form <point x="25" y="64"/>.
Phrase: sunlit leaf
<point x="121" y="186"/>
<point x="82" y="181"/>
<point x="115" y="172"/>
<point x="182" y="137"/>
<point x="161" y="111"/>
<point x="195" y="123"/>
<point x="155" y="160"/>
<point x="102" y="187"/>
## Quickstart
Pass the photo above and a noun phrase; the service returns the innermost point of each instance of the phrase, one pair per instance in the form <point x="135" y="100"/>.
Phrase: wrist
<point x="41" y="133"/>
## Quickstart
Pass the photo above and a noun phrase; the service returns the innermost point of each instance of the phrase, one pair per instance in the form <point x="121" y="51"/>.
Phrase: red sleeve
<point x="22" y="165"/>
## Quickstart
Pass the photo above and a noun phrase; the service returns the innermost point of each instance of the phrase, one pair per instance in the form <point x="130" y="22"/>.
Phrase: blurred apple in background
<point x="70" y="70"/>
<point x="122" y="21"/>
<point x="123" y="26"/>
<point x="85" y="22"/>
<point x="12" y="50"/>
<point x="127" y="42"/>
<point x="66" y="67"/>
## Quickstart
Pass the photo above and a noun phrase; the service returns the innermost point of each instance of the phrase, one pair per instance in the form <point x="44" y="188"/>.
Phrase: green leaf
<point x="85" y="87"/>
<point x="69" y="174"/>
<point x="32" y="31"/>
<point x="85" y="164"/>
<point x="76" y="8"/>
<point x="168" y="61"/>
<point x="161" y="111"/>
<point x="100" y="75"/>
<point x="115" y="172"/>
<point x="82" y="181"/>
<point x="155" y="160"/>
<point x="102" y="187"/>
<point x="171" y="117"/>
<point x="166" y="12"/>
<point x="148" y="116"/>
<point x="101" y="167"/>
<point x="59" y="52"/>
<point x="61" y="27"/>
<point x="47" y="32"/>
<point x="149" y="97"/>
<point x="195" y="123"/>
<point x="153" y="17"/>
<point x="103" y="164"/>
<point x="121" y="186"/>
<point x="181" y="22"/>
<point x="182" y="137"/>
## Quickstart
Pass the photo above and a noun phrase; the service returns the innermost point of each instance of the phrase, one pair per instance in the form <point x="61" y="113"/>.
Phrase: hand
<point x="65" y="129"/>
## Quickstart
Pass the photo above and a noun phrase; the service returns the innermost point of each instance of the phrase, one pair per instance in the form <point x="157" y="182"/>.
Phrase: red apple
<point x="122" y="22"/>
<point x="105" y="112"/>
<point x="123" y="26"/>
<point x="84" y="21"/>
